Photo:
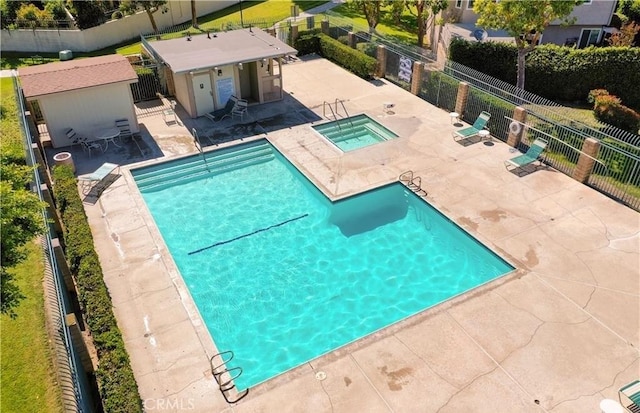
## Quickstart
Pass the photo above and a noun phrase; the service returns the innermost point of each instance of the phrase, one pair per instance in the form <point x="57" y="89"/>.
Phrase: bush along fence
<point x="589" y="155"/>
<point x="117" y="385"/>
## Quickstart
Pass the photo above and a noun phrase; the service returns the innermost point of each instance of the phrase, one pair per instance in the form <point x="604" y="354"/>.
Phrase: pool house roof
<point x="75" y="74"/>
<point x="204" y="51"/>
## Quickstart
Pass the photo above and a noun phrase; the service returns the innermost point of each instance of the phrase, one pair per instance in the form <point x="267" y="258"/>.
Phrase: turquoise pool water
<point x="281" y="275"/>
<point x="354" y="132"/>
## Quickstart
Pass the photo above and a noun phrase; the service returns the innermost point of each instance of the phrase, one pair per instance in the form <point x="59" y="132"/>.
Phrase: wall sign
<point x="404" y="71"/>
<point x="225" y="88"/>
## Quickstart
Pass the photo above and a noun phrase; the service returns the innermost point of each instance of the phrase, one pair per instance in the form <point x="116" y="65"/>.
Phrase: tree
<point x="87" y="13"/>
<point x="626" y="36"/>
<point x="422" y="9"/>
<point x="371" y="11"/>
<point x="194" y="16"/>
<point x="149" y="6"/>
<point x="525" y="20"/>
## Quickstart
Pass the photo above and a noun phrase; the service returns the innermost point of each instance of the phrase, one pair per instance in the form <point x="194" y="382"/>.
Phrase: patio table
<point x="108" y="135"/>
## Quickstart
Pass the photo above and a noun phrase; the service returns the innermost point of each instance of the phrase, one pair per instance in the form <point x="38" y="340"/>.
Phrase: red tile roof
<point x="75" y="74"/>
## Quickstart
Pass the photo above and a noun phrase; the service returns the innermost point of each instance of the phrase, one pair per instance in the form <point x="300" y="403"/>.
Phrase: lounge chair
<point x="532" y="155"/>
<point x="227" y="110"/>
<point x="474" y="129"/>
<point x="97" y="180"/>
<point x="83" y="142"/>
<point x="631" y="393"/>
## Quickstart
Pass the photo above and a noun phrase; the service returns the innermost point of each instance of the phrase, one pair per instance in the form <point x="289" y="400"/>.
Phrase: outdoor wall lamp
<point x="240" y="66"/>
<point x="263" y="62"/>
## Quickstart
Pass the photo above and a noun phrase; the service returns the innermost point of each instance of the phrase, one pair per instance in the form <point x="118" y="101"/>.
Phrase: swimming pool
<point x="354" y="132"/>
<point x="281" y="275"/>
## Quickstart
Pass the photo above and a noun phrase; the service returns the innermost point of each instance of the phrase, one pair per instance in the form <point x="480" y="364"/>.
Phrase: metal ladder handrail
<point x="233" y="373"/>
<point x="324" y="113"/>
<point x="345" y="110"/>
<point x="198" y="145"/>
<point x="412" y="182"/>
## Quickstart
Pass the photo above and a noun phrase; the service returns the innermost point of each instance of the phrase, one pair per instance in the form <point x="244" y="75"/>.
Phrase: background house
<point x="204" y="70"/>
<point x="592" y="19"/>
<point x="86" y="95"/>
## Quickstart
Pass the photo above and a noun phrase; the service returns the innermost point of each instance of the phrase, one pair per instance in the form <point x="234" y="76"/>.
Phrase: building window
<point x="458" y="4"/>
<point x="470" y="4"/>
<point x="589" y="37"/>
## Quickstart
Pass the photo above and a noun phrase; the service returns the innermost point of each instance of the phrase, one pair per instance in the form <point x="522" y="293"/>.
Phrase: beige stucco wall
<point x="87" y="110"/>
<point x="110" y="33"/>
<point x="597" y="13"/>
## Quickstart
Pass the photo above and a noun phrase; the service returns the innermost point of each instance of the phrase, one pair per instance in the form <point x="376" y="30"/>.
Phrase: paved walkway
<point x="558" y="335"/>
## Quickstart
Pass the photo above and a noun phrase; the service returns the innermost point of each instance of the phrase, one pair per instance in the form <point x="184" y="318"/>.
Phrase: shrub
<point x="56" y="9"/>
<point x="116" y="15"/>
<point x="609" y="109"/>
<point x="343" y="40"/>
<point x="308" y="42"/>
<point x="556" y="72"/>
<point x="314" y="41"/>
<point x="351" y="59"/>
<point x="118" y="388"/>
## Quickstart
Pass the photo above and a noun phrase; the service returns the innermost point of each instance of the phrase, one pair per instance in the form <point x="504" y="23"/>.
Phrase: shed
<point x="206" y="69"/>
<point x="84" y="94"/>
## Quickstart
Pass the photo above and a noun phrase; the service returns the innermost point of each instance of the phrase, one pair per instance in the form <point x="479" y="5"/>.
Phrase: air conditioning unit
<point x="65" y="55"/>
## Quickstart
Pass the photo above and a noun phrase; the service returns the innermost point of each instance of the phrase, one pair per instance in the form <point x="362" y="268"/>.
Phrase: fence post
<point x="590" y="149"/>
<point x="461" y="99"/>
<point x="381" y="54"/>
<point x="294" y="34"/>
<point x="78" y="342"/>
<point x="324" y="26"/>
<point x="352" y="39"/>
<point x="62" y="265"/>
<point x="416" y="77"/>
<point x="519" y="114"/>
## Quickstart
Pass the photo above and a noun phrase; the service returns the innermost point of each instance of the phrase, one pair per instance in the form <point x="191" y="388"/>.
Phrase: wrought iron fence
<point x="38" y="24"/>
<point x="74" y="385"/>
<point x="559" y="125"/>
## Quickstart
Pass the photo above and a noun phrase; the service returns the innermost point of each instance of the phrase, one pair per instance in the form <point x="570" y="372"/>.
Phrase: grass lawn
<point x="28" y="382"/>
<point x="404" y="32"/>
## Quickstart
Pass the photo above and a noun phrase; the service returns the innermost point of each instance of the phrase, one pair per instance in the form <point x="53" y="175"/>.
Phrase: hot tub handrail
<point x="324" y="105"/>
<point x="345" y="110"/>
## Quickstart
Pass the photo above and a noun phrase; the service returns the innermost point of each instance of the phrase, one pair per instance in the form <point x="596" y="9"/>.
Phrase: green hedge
<point x="556" y="72"/>
<point x="351" y="59"/>
<point x="118" y="388"/>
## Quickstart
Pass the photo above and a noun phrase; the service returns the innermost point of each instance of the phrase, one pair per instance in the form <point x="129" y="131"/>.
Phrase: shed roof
<point x="218" y="49"/>
<point x="75" y="74"/>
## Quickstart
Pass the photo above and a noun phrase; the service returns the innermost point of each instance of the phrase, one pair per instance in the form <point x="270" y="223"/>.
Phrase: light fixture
<point x="263" y="62"/>
<point x="219" y="72"/>
<point x="240" y="66"/>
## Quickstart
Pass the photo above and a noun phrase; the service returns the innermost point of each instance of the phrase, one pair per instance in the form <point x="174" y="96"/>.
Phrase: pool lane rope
<point x="248" y="235"/>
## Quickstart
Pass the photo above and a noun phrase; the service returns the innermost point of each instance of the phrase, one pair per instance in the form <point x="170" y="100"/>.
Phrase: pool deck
<point x="559" y="334"/>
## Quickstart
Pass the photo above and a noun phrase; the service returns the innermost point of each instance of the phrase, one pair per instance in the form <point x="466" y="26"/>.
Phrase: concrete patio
<point x="559" y="334"/>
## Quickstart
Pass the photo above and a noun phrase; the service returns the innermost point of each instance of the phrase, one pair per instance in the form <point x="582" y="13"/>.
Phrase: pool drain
<point x="321" y="375"/>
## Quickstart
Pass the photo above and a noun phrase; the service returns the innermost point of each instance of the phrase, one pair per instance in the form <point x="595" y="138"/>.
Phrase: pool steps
<point x="157" y="177"/>
<point x="361" y="127"/>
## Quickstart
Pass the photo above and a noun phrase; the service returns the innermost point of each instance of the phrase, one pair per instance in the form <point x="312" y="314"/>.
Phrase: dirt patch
<point x="468" y="223"/>
<point x="398" y="378"/>
<point x="493" y="215"/>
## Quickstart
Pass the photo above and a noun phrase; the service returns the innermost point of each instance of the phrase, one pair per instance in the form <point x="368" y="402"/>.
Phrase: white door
<point x="202" y="94"/>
